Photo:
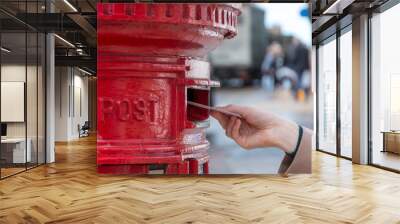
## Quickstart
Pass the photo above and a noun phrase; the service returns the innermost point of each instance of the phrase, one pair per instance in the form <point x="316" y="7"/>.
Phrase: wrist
<point x="286" y="135"/>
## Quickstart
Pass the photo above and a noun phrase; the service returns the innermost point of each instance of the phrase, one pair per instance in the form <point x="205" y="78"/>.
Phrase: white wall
<point x="33" y="126"/>
<point x="80" y="100"/>
<point x="71" y="94"/>
<point x="10" y="73"/>
<point x="16" y="73"/>
<point x="62" y="82"/>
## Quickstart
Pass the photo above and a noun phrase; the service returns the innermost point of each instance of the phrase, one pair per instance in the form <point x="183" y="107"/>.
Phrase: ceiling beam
<point x="82" y="61"/>
<point x="337" y="7"/>
<point x="86" y="26"/>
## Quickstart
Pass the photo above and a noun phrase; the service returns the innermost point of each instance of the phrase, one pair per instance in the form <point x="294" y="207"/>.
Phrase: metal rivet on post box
<point x="150" y="63"/>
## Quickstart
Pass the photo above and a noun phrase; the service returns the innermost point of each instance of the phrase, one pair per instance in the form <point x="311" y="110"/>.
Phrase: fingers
<point x="229" y="128"/>
<point x="231" y="124"/>
<point x="235" y="135"/>
<point x="235" y="130"/>
<point x="221" y="118"/>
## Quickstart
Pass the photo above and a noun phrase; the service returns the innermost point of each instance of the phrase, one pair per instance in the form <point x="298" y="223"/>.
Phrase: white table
<point x="18" y="149"/>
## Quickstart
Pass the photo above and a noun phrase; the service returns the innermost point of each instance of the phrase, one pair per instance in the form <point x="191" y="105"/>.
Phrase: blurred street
<point x="273" y="54"/>
<point x="226" y="157"/>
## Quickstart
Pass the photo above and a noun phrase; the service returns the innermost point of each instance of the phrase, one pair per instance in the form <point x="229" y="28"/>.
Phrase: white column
<point x="50" y="99"/>
<point x="360" y="90"/>
<point x="50" y="91"/>
<point x="314" y="91"/>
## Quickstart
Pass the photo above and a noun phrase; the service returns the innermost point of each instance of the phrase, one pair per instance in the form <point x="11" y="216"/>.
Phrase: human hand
<point x="258" y="129"/>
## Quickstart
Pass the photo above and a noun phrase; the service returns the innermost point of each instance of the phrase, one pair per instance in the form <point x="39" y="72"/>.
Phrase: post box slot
<point x="201" y="96"/>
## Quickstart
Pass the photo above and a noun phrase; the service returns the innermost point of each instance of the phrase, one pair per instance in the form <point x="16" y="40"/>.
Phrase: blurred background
<point x="267" y="66"/>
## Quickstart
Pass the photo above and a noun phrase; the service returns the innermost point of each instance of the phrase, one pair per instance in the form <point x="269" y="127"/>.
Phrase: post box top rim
<point x="234" y="6"/>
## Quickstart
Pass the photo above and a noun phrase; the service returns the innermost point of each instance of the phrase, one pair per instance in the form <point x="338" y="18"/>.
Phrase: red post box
<point x="150" y="63"/>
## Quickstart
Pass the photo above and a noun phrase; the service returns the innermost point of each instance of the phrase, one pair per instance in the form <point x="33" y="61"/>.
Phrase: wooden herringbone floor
<point x="70" y="191"/>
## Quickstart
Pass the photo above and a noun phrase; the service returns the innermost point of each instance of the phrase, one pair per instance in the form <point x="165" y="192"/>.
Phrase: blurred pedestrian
<point x="273" y="60"/>
<point x="297" y="59"/>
